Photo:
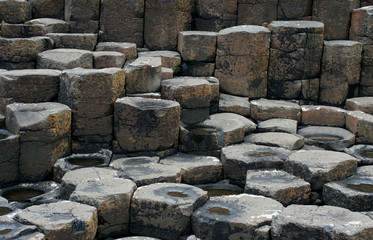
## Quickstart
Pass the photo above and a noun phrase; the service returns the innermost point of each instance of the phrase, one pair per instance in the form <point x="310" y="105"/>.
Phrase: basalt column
<point x="91" y="94"/>
<point x="361" y="30"/>
<point x="164" y="19"/>
<point x="295" y="57"/>
<point x="83" y="15"/>
<point x="122" y="21"/>
<point x="256" y="12"/>
<point x="242" y="60"/>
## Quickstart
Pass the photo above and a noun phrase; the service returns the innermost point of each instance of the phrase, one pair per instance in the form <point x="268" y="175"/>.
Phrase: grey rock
<point x="278" y="125"/>
<point x="197" y="69"/>
<point x="50" y="25"/>
<point x="221" y="188"/>
<point x="47" y="8"/>
<point x="84" y="41"/>
<point x="214" y="15"/>
<point x="15" y="11"/>
<point x="360" y="124"/>
<point x="11" y="229"/>
<point x="197" y="46"/>
<point x="82" y="16"/>
<point x="108" y="59"/>
<point x="323" y="115"/>
<point x="9" y="146"/>
<point x="128" y="49"/>
<point x="64" y="58"/>
<point x="170" y="59"/>
<point x="277" y="139"/>
<point x="234" y="104"/>
<point x="256" y="13"/>
<point x="264" y="109"/>
<point x="362" y="152"/>
<point x="364" y="104"/>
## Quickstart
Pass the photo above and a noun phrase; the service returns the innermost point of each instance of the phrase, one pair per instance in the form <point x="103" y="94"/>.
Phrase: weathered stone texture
<point x="127" y="48"/>
<point x="83" y="15"/>
<point x="214" y="15"/>
<point x="323" y="116"/>
<point x="364" y="104"/>
<point x="9" y="146"/>
<point x="294" y="9"/>
<point x="122" y="21"/>
<point x="360" y="124"/>
<point x="65" y="58"/>
<point x="16" y="11"/>
<point x="256" y="12"/>
<point x="264" y="109"/>
<point x="242" y="60"/>
<point x="197" y="46"/>
<point x="85" y="41"/>
<point x="47" y="8"/>
<point x="107" y="59"/>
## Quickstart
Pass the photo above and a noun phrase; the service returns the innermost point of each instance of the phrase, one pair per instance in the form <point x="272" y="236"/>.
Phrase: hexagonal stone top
<point x="325" y="222"/>
<point x="319" y="167"/>
<point x="276" y="139"/>
<point x="264" y="109"/>
<point x="245" y="28"/>
<point x="297" y="26"/>
<point x="364" y="104"/>
<point x="65" y="58"/>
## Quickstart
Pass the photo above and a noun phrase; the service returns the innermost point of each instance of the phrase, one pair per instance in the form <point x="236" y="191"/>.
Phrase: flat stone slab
<point x="264" y="109"/>
<point x="50" y="25"/>
<point x="276" y="139"/>
<point x="279" y="185"/>
<point x="330" y="138"/>
<point x="145" y="171"/>
<point x="362" y="152"/>
<point x="107" y="59"/>
<point x="128" y="49"/>
<point x="76" y="161"/>
<point x="65" y="58"/>
<point x="112" y="199"/>
<point x="164" y="209"/>
<point x="325" y="222"/>
<point x="170" y="59"/>
<point x="73" y="178"/>
<point x="65" y="219"/>
<point x="323" y="116"/>
<point x="237" y="159"/>
<point x="319" y="167"/>
<point x="233" y="216"/>
<point x="278" y="125"/>
<point x="84" y="41"/>
<point x="234" y="104"/>
<point x="196" y="169"/>
<point x="364" y="104"/>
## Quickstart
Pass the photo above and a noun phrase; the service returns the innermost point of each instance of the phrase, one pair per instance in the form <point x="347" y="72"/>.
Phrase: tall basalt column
<point x="91" y="95"/>
<point x="256" y="12"/>
<point x="336" y="15"/>
<point x="295" y="54"/>
<point x="361" y="30"/>
<point x="242" y="60"/>
<point x="122" y="21"/>
<point x="340" y="70"/>
<point x="83" y="15"/>
<point x="164" y="19"/>
<point x="44" y="136"/>
<point x="294" y="9"/>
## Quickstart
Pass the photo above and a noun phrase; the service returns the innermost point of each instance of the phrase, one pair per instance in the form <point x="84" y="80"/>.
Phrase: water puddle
<point x="367" y="188"/>
<point x="177" y="194"/>
<point x="325" y="138"/>
<point x="201" y="130"/>
<point x="21" y="194"/>
<point x="86" y="162"/>
<point x="262" y="154"/>
<point x="5" y="210"/>
<point x="219" y="211"/>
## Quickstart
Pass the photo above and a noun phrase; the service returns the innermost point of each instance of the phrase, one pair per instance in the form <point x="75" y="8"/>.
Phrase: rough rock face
<point x="142" y="124"/>
<point x="326" y="222"/>
<point x="83" y="16"/>
<point x="62" y="220"/>
<point x="315" y="115"/>
<point x="127" y="48"/>
<point x="44" y="131"/>
<point x="47" y="8"/>
<point x="91" y="95"/>
<point x="264" y="109"/>
<point x="340" y="70"/>
<point x="122" y="21"/>
<point x="234" y="216"/>
<point x="18" y="11"/>
<point x="337" y="23"/>
<point x="64" y="58"/>
<point x="242" y="60"/>
<point x="294" y="9"/>
<point x="364" y="104"/>
<point x="256" y="12"/>
<point x="197" y="46"/>
<point x="164" y="20"/>
<point x="9" y="147"/>
<point x="85" y="41"/>
<point x="360" y="124"/>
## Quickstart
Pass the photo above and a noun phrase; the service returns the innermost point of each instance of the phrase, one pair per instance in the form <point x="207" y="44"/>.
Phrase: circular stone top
<point x="80" y="175"/>
<point x="244" y="28"/>
<point x="227" y="122"/>
<point x="170" y="193"/>
<point x="246" y="209"/>
<point x="363" y="152"/>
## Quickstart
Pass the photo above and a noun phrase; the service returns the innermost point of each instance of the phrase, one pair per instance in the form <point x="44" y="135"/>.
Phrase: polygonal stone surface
<point x="242" y="60"/>
<point x="65" y="58"/>
<point x="323" y="115"/>
<point x="364" y="104"/>
<point x="279" y="185"/>
<point x="75" y="161"/>
<point x="9" y="147"/>
<point x="66" y="220"/>
<point x="197" y="46"/>
<point x="144" y="124"/>
<point x="85" y="41"/>
<point x="170" y="59"/>
<point x="108" y="59"/>
<point x="196" y="169"/>
<point x="50" y="25"/>
<point x="234" y="104"/>
<point x="73" y="178"/>
<point x="128" y="49"/>
<point x="15" y="11"/>
<point x="44" y="130"/>
<point x="234" y="216"/>
<point x="360" y="124"/>
<point x="276" y="139"/>
<point x="23" y="49"/>
<point x="164" y="209"/>
<point x="143" y="75"/>
<point x="237" y="159"/>
<point x="29" y="86"/>
<point x="146" y="170"/>
<point x="214" y="15"/>
<point x="112" y="198"/>
<point x="218" y="131"/>
<point x="319" y="167"/>
<point x="325" y="222"/>
<point x="264" y="109"/>
<point x="330" y="138"/>
<point x="278" y="125"/>
<point x="362" y="152"/>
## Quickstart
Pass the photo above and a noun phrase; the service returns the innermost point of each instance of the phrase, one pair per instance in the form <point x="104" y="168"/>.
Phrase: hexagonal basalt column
<point x="164" y="209"/>
<point x="15" y="11"/>
<point x="242" y="60"/>
<point x="360" y="124"/>
<point x="276" y="139"/>
<point x="65" y="220"/>
<point x="197" y="46"/>
<point x="319" y="167"/>
<point x="323" y="116"/>
<point x="256" y="12"/>
<point x="127" y="48"/>
<point x="264" y="109"/>
<point x="233" y="216"/>
<point x="362" y="152"/>
<point x="91" y="95"/>
<point x="112" y="198"/>
<point x="9" y="148"/>
<point x="44" y="131"/>
<point x="83" y="16"/>
<point x="65" y="58"/>
<point x="364" y="104"/>
<point x="144" y="124"/>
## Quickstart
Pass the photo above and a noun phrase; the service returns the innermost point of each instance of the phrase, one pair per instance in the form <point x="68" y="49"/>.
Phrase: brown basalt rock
<point x="197" y="46"/>
<point x="83" y="16"/>
<point x="9" y="146"/>
<point x="64" y="58"/>
<point x="323" y="116"/>
<point x="214" y="15"/>
<point x="360" y="124"/>
<point x="364" y="104"/>
<point x="48" y="8"/>
<point x="234" y="104"/>
<point x="241" y="61"/>
<point x="85" y="41"/>
<point x="122" y="21"/>
<point x="256" y="12"/>
<point x="264" y="109"/>
<point x="294" y="9"/>
<point x="128" y="49"/>
<point x="108" y="59"/>
<point x="170" y="59"/>
<point x="197" y="69"/>
<point x="17" y="11"/>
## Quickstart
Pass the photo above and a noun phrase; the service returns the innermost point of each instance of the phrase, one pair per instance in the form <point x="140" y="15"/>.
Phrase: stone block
<point x="323" y="116"/>
<point x="128" y="49"/>
<point x="83" y="15"/>
<point x="278" y="125"/>
<point x="167" y="73"/>
<point x="285" y="90"/>
<point x="84" y="41"/>
<point x="294" y="9"/>
<point x="197" y="69"/>
<point x="64" y="58"/>
<point x="276" y="139"/>
<point x="197" y="46"/>
<point x="108" y="59"/>
<point x="47" y="8"/>
<point x="9" y="146"/>
<point x="17" y="11"/>
<point x="234" y="104"/>
<point x="264" y="109"/>
<point x="142" y="124"/>
<point x="242" y="60"/>
<point x="170" y="59"/>
<point x="364" y="104"/>
<point x="214" y="15"/>
<point x="256" y="12"/>
<point x="360" y="124"/>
